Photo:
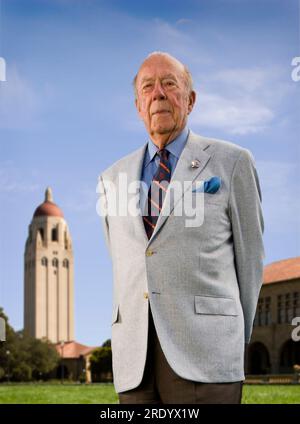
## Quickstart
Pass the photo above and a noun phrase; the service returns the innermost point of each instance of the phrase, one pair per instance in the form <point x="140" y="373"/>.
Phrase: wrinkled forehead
<point x="160" y="67"/>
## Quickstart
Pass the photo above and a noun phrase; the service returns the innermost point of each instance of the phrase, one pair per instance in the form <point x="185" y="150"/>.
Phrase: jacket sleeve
<point x="247" y="228"/>
<point x="102" y="208"/>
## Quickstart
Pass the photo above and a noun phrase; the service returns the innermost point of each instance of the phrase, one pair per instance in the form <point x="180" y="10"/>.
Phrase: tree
<point x="42" y="356"/>
<point x="7" y="349"/>
<point x="101" y="363"/>
<point x="23" y="358"/>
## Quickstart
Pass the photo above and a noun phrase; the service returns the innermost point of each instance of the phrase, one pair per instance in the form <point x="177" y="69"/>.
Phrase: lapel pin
<point x="195" y="163"/>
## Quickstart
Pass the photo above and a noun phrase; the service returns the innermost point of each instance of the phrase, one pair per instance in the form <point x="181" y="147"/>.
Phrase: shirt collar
<point x="175" y="146"/>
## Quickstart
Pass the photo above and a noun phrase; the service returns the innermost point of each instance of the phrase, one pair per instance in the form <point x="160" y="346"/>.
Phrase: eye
<point x="147" y="86"/>
<point x="169" y="83"/>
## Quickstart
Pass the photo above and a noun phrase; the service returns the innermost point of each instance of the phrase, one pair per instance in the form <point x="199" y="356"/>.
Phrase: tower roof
<point x="48" y="207"/>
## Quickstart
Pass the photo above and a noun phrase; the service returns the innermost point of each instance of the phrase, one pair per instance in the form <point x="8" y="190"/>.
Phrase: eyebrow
<point x="169" y="76"/>
<point x="145" y="79"/>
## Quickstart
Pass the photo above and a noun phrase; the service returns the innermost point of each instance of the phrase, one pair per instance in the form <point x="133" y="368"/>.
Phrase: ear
<point x="137" y="104"/>
<point x="138" y="107"/>
<point x="192" y="100"/>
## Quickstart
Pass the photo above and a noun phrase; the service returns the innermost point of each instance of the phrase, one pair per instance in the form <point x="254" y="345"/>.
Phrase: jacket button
<point x="149" y="252"/>
<point x="146" y="295"/>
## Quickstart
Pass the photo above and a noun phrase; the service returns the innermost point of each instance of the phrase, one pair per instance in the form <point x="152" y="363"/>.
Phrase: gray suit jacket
<point x="202" y="282"/>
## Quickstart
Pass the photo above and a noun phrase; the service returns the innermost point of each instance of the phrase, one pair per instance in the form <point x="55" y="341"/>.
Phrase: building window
<point x="65" y="263"/>
<point x="54" y="234"/>
<point x="288" y="309"/>
<point x="55" y="262"/>
<point x="280" y="309"/>
<point x="288" y="306"/>
<point x="41" y="231"/>
<point x="268" y="310"/>
<point x="44" y="261"/>
<point x="260" y="307"/>
<point x="263" y="312"/>
<point x="296" y="304"/>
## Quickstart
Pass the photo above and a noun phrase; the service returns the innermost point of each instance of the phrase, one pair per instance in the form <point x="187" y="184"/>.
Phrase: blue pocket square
<point x="210" y="186"/>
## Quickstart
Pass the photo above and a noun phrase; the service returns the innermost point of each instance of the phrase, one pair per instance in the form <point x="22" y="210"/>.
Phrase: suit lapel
<point x="135" y="174"/>
<point x="193" y="150"/>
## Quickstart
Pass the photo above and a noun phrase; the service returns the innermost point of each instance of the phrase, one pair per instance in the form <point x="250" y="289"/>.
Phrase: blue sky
<point x="67" y="113"/>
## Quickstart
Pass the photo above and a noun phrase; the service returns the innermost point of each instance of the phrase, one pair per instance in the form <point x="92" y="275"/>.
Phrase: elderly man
<point x="184" y="296"/>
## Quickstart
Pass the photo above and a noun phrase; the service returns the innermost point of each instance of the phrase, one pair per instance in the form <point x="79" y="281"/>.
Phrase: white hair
<point x="187" y="74"/>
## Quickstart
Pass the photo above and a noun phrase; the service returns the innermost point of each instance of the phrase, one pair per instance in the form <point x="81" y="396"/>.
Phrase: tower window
<point x="41" y="231"/>
<point x="66" y="241"/>
<point x="54" y="234"/>
<point x="65" y="263"/>
<point x="55" y="262"/>
<point x="44" y="261"/>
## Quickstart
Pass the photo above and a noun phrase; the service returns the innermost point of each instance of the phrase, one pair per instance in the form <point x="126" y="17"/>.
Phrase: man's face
<point x="163" y="101"/>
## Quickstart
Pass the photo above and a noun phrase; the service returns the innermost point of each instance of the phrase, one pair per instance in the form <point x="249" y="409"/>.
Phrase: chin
<point x="163" y="129"/>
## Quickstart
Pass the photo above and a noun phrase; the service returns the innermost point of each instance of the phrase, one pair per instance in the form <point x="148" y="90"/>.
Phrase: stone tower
<point x="48" y="275"/>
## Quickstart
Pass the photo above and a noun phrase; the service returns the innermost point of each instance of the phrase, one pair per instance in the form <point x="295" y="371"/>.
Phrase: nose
<point x="158" y="92"/>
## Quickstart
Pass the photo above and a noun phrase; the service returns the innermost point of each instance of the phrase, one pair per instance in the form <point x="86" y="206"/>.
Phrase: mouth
<point x="161" y="112"/>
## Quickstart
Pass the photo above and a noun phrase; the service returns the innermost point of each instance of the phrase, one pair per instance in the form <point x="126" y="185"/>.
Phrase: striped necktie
<point x="157" y="192"/>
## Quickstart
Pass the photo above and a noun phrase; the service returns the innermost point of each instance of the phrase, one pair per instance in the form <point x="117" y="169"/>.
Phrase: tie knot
<point x="163" y="153"/>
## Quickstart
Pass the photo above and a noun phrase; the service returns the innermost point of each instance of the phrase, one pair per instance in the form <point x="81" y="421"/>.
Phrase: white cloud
<point x="12" y="180"/>
<point x="280" y="195"/>
<point x="183" y="21"/>
<point x="83" y="200"/>
<point x="245" y="79"/>
<point x="18" y="102"/>
<point x="176" y="40"/>
<point x="239" y="100"/>
<point x="236" y="116"/>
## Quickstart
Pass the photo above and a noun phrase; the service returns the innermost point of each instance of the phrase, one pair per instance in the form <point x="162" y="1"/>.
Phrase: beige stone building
<point x="48" y="275"/>
<point x="75" y="361"/>
<point x="49" y="289"/>
<point x="271" y="349"/>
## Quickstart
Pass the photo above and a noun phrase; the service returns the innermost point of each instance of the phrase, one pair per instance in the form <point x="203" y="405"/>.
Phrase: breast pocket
<point x="214" y="305"/>
<point x="208" y="198"/>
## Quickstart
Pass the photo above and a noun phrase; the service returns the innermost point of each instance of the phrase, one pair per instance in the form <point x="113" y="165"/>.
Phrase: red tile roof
<point x="73" y="349"/>
<point x="284" y="270"/>
<point x="48" y="209"/>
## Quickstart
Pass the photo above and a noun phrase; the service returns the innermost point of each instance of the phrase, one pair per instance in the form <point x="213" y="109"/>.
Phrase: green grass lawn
<point x="58" y="393"/>
<point x="270" y="394"/>
<point x="105" y="393"/>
